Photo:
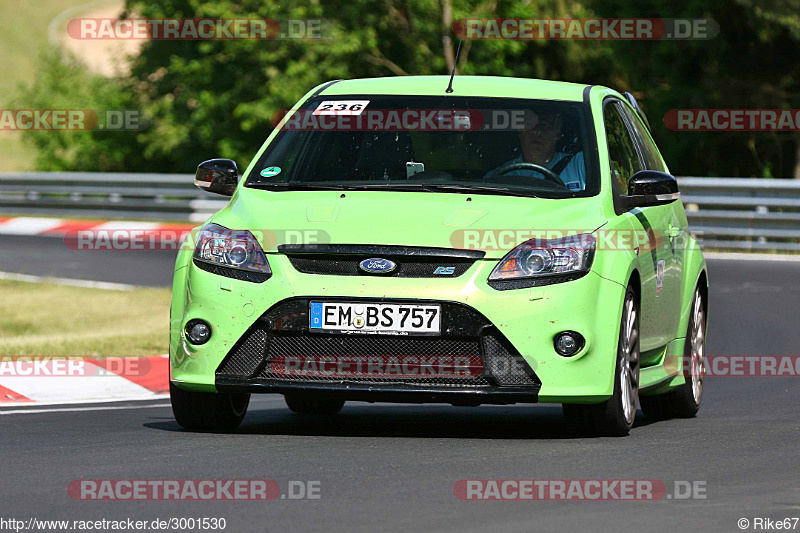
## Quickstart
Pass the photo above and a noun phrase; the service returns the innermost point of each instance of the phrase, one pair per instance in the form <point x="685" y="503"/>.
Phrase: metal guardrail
<point x="130" y="196"/>
<point x="730" y="213"/>
<point x="743" y="213"/>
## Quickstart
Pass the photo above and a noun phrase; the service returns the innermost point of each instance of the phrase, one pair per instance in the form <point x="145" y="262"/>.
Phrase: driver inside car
<point x="539" y="138"/>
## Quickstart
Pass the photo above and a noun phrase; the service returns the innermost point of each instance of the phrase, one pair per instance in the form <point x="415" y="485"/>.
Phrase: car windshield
<point x="518" y="147"/>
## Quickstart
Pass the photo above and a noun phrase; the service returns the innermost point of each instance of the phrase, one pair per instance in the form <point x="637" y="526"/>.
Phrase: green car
<point x="504" y="241"/>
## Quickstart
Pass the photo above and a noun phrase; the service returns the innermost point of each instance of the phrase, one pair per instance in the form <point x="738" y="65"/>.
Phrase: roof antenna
<point x="455" y="61"/>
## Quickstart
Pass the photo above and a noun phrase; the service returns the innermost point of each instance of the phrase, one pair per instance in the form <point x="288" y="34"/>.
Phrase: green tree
<point x="751" y="64"/>
<point x="218" y="98"/>
<point x="64" y="83"/>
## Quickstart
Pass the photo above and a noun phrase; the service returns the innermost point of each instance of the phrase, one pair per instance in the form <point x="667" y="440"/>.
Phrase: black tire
<point x="208" y="411"/>
<point x="609" y="418"/>
<point x="313" y="404"/>
<point x="682" y="402"/>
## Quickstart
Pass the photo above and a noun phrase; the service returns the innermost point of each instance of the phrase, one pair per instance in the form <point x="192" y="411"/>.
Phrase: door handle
<point x="674" y="231"/>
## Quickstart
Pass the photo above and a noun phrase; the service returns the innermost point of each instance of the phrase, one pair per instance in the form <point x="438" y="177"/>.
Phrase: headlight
<point x="539" y="258"/>
<point x="232" y="249"/>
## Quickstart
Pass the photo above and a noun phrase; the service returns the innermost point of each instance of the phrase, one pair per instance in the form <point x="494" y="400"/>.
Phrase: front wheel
<point x="614" y="417"/>
<point x="684" y="402"/>
<point x="208" y="411"/>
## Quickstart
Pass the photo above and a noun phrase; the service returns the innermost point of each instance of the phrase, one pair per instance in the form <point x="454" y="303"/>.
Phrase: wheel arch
<point x="695" y="276"/>
<point x="635" y="282"/>
<point x="702" y="284"/>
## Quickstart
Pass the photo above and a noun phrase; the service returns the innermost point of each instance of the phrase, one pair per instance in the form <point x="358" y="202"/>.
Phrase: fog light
<point x="568" y="343"/>
<point x="198" y="332"/>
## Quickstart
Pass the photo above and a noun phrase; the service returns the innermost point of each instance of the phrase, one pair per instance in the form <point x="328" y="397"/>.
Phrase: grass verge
<point x="50" y="319"/>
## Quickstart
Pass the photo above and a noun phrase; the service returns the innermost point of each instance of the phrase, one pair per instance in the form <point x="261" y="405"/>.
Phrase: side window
<point x="622" y="152"/>
<point x="648" y="147"/>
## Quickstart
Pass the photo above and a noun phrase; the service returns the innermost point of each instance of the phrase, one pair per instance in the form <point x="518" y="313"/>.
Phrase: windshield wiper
<point x="296" y="186"/>
<point x="447" y="187"/>
<point x="487" y="189"/>
<point x="399" y="186"/>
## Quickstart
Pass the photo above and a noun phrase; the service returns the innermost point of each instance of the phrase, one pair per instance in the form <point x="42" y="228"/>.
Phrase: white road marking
<point x="126" y="225"/>
<point x="82" y="402"/>
<point x="78" y="409"/>
<point x="743" y="256"/>
<point x="87" y="284"/>
<point x="28" y="225"/>
<point x="64" y="388"/>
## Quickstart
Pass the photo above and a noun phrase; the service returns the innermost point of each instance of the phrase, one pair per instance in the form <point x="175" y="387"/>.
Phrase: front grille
<point x="283" y="331"/>
<point x="504" y="363"/>
<point x="249" y="354"/>
<point x="347" y="265"/>
<point x="412" y="261"/>
<point x="310" y="344"/>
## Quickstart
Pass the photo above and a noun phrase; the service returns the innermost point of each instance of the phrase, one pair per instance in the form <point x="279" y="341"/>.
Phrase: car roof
<point x="489" y="86"/>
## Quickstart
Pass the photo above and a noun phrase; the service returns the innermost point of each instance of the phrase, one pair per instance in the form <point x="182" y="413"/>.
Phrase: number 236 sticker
<point x="341" y="107"/>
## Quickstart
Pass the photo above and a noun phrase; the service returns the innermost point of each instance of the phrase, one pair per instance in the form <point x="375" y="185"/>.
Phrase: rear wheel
<point x="614" y="417"/>
<point x="208" y="411"/>
<point x="313" y="404"/>
<point x="684" y="402"/>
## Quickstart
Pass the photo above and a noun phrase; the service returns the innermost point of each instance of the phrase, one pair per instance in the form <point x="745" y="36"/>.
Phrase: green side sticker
<point x="271" y="171"/>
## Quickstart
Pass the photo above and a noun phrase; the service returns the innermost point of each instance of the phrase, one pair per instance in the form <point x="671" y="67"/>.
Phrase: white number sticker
<point x="341" y="107"/>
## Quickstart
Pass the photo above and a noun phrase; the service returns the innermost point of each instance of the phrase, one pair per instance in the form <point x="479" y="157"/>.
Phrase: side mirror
<point x="648" y="188"/>
<point x="218" y="176"/>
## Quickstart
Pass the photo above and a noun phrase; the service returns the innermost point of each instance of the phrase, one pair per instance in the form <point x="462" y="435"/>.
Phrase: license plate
<point x="399" y="319"/>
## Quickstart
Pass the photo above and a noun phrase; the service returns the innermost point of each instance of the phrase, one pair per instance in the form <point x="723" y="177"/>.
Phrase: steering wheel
<point x="549" y="175"/>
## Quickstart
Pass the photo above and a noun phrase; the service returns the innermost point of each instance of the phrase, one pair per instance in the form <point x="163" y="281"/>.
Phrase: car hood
<point x="491" y="223"/>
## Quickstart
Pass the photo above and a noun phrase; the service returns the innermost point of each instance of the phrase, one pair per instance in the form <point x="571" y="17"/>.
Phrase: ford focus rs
<point x="508" y="241"/>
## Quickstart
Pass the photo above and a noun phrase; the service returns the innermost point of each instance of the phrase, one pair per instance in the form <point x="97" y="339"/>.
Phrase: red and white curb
<point x="52" y="381"/>
<point x="59" y="227"/>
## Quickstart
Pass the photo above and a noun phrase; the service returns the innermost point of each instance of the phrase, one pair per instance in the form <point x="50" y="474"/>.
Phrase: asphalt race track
<point x="393" y="467"/>
<point x="49" y="256"/>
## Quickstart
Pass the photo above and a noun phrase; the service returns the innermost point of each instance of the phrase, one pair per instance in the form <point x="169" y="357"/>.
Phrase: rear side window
<point x="624" y="160"/>
<point x="648" y="147"/>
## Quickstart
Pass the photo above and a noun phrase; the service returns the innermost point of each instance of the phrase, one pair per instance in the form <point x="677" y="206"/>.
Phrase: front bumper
<point x="526" y="321"/>
<point x="468" y="362"/>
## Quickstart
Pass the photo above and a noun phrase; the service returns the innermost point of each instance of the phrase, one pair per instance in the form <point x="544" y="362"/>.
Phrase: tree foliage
<point x="218" y="98"/>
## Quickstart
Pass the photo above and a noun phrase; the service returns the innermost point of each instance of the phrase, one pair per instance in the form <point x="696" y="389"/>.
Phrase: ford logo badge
<point x="377" y="265"/>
